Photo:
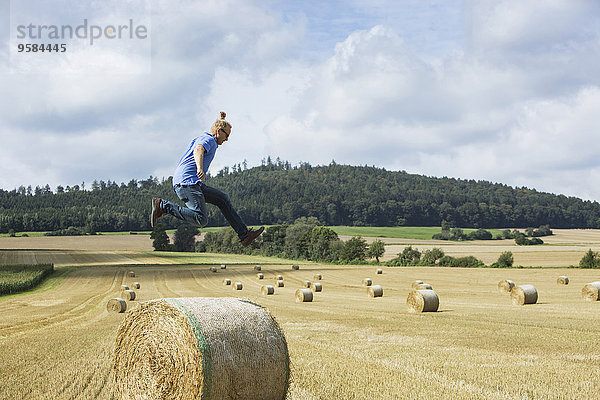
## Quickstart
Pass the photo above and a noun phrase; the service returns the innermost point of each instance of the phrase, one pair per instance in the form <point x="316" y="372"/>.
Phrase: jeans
<point x="195" y="198"/>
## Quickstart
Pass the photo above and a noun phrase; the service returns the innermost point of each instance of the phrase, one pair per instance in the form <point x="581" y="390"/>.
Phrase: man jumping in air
<point x="188" y="185"/>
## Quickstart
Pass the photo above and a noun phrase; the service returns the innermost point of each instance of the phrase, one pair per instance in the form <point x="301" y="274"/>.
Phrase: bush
<point x="430" y="257"/>
<point x="460" y="262"/>
<point x="185" y="237"/>
<point x="591" y="259"/>
<point x="505" y="260"/>
<point x="480" y="234"/>
<point x="409" y="256"/>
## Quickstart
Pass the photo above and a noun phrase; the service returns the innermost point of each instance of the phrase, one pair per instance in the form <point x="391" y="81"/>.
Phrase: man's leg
<point x="193" y="197"/>
<point x="221" y="200"/>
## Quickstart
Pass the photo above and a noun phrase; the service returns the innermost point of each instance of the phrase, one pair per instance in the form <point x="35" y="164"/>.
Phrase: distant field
<point x="344" y="345"/>
<point x="400" y="232"/>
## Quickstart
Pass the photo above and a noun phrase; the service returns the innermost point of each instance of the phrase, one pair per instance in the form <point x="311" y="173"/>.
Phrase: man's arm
<point x="199" y="158"/>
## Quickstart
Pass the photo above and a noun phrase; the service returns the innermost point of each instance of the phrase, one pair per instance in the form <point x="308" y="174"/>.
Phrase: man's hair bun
<point x="223" y="115"/>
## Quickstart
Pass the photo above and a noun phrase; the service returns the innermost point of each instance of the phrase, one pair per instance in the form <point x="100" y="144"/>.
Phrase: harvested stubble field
<point x="56" y="342"/>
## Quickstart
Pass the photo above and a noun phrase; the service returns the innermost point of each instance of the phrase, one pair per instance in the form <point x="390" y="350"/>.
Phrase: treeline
<point x="521" y="238"/>
<point x="277" y="193"/>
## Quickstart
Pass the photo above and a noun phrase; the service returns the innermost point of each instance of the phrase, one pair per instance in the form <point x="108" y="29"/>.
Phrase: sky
<point x="502" y="91"/>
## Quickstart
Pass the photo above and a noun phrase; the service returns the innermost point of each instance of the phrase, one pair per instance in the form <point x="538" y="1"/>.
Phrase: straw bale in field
<point x="279" y="277"/>
<point x="223" y="266"/>
<point x="367" y="282"/>
<point x="124" y="287"/>
<point x="257" y="268"/>
<point x="238" y="286"/>
<point x="213" y="269"/>
<point x="317" y="287"/>
<point x="267" y="289"/>
<point x="226" y="281"/>
<point x="379" y="271"/>
<point x="295" y="267"/>
<point x="136" y="285"/>
<point x="280" y="284"/>
<point x="117" y="305"/>
<point x="524" y="294"/>
<point x="416" y="284"/>
<point x="129" y="294"/>
<point x="591" y="291"/>
<point x="422" y="300"/>
<point x="506" y="286"/>
<point x="562" y="280"/>
<point x="304" y="295"/>
<point x="306" y="284"/>
<point x="131" y="274"/>
<point x="375" y="291"/>
<point x="423" y="286"/>
<point x="318" y="277"/>
<point x="260" y="276"/>
<point x="192" y="348"/>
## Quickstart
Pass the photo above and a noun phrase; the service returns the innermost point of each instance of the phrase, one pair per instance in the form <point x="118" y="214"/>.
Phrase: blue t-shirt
<point x="185" y="173"/>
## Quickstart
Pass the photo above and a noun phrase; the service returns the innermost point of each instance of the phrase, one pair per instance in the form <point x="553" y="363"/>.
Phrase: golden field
<point x="56" y="341"/>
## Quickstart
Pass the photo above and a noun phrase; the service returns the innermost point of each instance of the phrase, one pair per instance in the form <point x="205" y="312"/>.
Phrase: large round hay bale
<point x="117" y="305"/>
<point x="591" y="291"/>
<point x="192" y="348"/>
<point x="318" y="277"/>
<point x="226" y="281"/>
<point x="131" y="274"/>
<point x="237" y="286"/>
<point x="304" y="295"/>
<point x="506" y="286"/>
<point x="136" y="285"/>
<point x="524" y="294"/>
<point x="124" y="287"/>
<point x="423" y="286"/>
<point x="367" y="282"/>
<point x="295" y="267"/>
<point x="278" y="277"/>
<point x="280" y="284"/>
<point x="562" y="280"/>
<point x="213" y="269"/>
<point x="317" y="287"/>
<point x="129" y="295"/>
<point x="260" y="276"/>
<point x="223" y="266"/>
<point x="425" y="300"/>
<point x="375" y="291"/>
<point x="257" y="268"/>
<point x="416" y="284"/>
<point x="306" y="284"/>
<point x="379" y="271"/>
<point x="267" y="289"/>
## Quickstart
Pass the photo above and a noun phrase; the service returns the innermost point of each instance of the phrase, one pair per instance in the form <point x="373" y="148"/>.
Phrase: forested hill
<point x="276" y="193"/>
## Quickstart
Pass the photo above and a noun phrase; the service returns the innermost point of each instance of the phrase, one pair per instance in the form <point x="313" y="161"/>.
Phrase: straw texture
<point x="367" y="282"/>
<point x="267" y="289"/>
<point x="226" y="281"/>
<point x="304" y="295"/>
<point x="280" y="284"/>
<point x="317" y="287"/>
<point x="524" y="294"/>
<point x="200" y="348"/>
<point x="129" y="294"/>
<point x="562" y="280"/>
<point x="506" y="286"/>
<point x="419" y="301"/>
<point x="117" y="305"/>
<point x="318" y="277"/>
<point x="591" y="291"/>
<point x="375" y="291"/>
<point x="238" y="286"/>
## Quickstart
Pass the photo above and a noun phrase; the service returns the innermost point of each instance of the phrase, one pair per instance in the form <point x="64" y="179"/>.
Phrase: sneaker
<point x="252" y="234"/>
<point x="156" y="212"/>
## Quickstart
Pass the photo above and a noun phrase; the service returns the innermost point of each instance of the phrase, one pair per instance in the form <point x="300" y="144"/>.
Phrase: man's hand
<point x="200" y="174"/>
<point x="199" y="158"/>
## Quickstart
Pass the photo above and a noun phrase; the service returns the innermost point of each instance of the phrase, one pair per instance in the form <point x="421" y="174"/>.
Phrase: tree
<point x="185" y="237"/>
<point x="319" y="243"/>
<point x="505" y="260"/>
<point x="591" y="259"/>
<point x="355" y="249"/>
<point x="376" y="249"/>
<point x="161" y="239"/>
<point x="430" y="257"/>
